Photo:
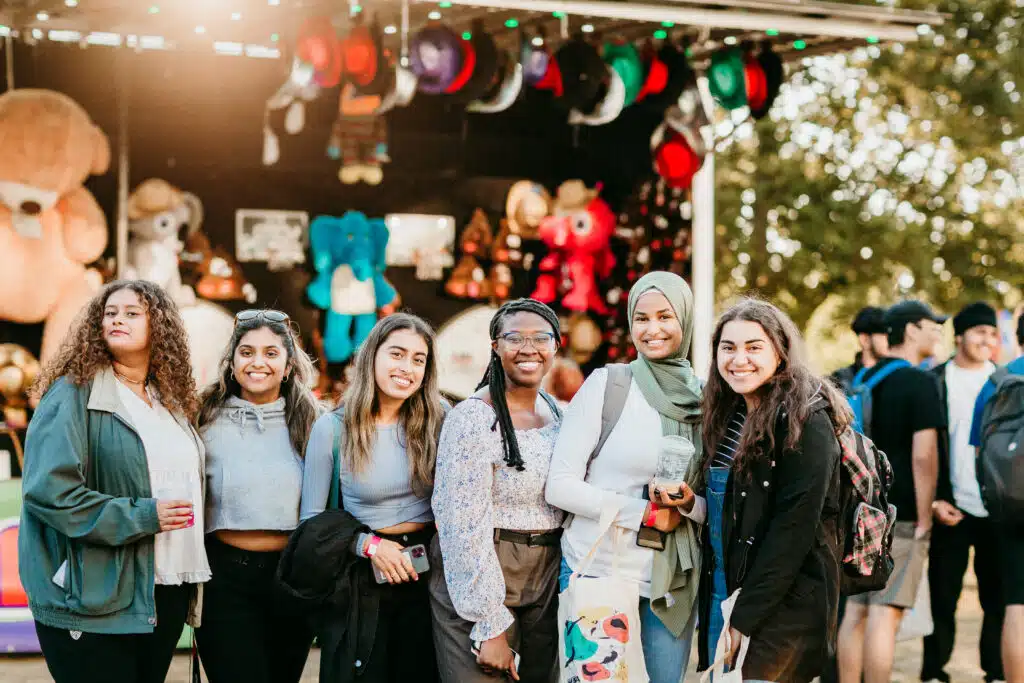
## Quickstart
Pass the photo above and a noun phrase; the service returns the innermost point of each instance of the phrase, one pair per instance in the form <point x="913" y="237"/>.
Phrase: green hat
<point x="627" y="63"/>
<point x="726" y="78"/>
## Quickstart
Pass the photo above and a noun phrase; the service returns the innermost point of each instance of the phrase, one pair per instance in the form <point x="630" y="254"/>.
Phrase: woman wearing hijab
<point x="632" y="430"/>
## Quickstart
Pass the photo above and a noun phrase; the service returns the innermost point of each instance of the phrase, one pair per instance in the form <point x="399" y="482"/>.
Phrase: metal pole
<point x="9" y="59"/>
<point x="404" y="57"/>
<point x="122" y="163"/>
<point x="703" y="252"/>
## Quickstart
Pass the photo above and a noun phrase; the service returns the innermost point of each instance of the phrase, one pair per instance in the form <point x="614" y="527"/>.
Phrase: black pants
<point x="403" y="645"/>
<point x="947" y="563"/>
<point x="126" y="658"/>
<point x="248" y="632"/>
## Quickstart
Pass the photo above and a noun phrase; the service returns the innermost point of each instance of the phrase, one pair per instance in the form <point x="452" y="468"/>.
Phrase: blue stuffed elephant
<point x="348" y="255"/>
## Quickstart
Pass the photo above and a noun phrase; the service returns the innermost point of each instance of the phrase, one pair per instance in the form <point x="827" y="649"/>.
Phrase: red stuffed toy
<point x="578" y="236"/>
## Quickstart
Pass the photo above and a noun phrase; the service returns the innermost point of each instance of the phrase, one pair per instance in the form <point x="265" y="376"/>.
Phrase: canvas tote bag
<point x="599" y="619"/>
<point x="717" y="671"/>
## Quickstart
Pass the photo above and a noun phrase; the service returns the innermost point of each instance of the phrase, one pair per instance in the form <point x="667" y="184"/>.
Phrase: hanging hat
<point x="574" y="195"/>
<point x="535" y="61"/>
<point x="384" y="79"/>
<point x="624" y="58"/>
<point x="680" y="76"/>
<point x="726" y="78"/>
<point x="486" y="71"/>
<point x="674" y="160"/>
<point x="436" y="56"/>
<point x="607" y="109"/>
<point x="657" y="73"/>
<point x="755" y="82"/>
<point x="690" y="119"/>
<point x="552" y="79"/>
<point x="468" y="66"/>
<point x="583" y="73"/>
<point x="506" y="92"/>
<point x="403" y="89"/>
<point x="361" y="54"/>
<point x="318" y="45"/>
<point x="774" y="72"/>
<point x="527" y="204"/>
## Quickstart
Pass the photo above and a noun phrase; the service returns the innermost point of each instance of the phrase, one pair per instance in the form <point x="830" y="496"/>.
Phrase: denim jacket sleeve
<point x="54" y="485"/>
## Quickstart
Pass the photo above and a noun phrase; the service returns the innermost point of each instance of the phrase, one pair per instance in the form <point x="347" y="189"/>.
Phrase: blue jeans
<point x="717" y="482"/>
<point x="665" y="655"/>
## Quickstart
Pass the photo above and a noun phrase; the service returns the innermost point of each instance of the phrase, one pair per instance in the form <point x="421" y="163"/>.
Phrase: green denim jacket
<point x="87" y="502"/>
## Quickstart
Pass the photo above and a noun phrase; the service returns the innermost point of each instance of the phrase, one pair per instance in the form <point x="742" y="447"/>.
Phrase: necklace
<point x="138" y="383"/>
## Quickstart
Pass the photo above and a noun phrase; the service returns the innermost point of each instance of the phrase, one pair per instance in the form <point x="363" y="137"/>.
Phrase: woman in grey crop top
<point x="385" y="441"/>
<point x="255" y="422"/>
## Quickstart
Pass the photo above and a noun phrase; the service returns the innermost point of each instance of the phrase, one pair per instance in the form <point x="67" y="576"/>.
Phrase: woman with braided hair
<point x="498" y="538"/>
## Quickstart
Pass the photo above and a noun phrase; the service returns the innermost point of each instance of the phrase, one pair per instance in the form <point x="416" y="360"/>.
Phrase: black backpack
<point x="866" y="518"/>
<point x="1000" y="463"/>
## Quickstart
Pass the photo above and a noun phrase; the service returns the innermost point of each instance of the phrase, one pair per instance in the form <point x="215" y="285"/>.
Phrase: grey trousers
<point x="531" y="593"/>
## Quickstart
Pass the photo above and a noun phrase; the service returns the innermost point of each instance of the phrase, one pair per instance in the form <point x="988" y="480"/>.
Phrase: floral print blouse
<point x="476" y="492"/>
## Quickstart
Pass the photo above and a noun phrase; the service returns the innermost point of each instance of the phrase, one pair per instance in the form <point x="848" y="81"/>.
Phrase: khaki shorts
<point x="909" y="559"/>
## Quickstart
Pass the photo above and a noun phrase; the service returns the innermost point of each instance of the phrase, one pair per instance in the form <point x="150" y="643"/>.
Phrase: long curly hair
<point x="301" y="407"/>
<point x="420" y="415"/>
<point x="791" y="389"/>
<point x="84" y="352"/>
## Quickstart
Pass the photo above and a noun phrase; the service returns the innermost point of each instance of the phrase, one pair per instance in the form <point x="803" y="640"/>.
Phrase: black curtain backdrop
<point x="196" y="118"/>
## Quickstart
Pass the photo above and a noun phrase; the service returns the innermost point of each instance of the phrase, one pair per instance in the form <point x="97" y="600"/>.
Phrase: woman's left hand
<point x="662" y="493"/>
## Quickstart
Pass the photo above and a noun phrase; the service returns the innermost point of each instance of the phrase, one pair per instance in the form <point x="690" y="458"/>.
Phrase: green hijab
<point x="669" y="384"/>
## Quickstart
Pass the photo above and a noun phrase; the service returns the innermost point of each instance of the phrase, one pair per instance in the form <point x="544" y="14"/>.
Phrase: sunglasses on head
<point x="267" y="314"/>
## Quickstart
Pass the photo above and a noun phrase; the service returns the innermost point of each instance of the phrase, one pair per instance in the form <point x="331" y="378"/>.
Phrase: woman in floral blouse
<point x="495" y="604"/>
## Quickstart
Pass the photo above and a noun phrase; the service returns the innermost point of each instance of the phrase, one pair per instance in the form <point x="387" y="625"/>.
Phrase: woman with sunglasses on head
<point x="772" y="468"/>
<point x="498" y="538"/>
<point x="110" y="548"/>
<point x="374" y="458"/>
<point x="255" y="421"/>
<point x="604" y="461"/>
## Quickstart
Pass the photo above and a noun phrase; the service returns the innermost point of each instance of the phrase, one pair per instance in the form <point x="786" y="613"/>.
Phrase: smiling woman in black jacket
<point x="772" y="493"/>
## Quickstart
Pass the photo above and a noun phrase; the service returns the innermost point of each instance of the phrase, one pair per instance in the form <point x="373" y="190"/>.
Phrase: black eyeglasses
<point x="267" y="314"/>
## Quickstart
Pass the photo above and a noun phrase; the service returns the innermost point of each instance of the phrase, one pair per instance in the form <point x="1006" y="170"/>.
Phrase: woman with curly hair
<point x="110" y="548"/>
<point x="771" y="492"/>
<point x="255" y="421"/>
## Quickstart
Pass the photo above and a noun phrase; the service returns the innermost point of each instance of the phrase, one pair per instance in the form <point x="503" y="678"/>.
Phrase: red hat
<point x="756" y="82"/>
<point x="676" y="161"/>
<point x="318" y="45"/>
<point x="552" y="79"/>
<point x="361" y="55"/>
<point x="657" y="74"/>
<point x="468" y="66"/>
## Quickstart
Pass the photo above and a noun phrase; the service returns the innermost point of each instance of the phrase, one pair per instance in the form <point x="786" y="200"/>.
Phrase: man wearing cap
<point x="1011" y="544"/>
<point x="959" y="511"/>
<point x="906" y="419"/>
<point x="872" y="334"/>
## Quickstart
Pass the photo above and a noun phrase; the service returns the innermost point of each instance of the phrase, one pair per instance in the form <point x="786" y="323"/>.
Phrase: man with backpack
<point x="869" y="326"/>
<point x="902" y="413"/>
<point x="996" y="432"/>
<point x="963" y="521"/>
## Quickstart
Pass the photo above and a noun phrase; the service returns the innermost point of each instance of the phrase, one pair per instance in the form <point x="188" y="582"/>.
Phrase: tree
<point x="887" y="172"/>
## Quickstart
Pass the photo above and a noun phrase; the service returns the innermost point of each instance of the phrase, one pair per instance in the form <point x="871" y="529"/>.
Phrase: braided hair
<point x="494" y="378"/>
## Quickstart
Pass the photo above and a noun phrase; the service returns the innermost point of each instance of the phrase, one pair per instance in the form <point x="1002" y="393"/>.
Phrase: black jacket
<point x="944" y="486"/>
<point x="843" y="377"/>
<point x="318" y="571"/>
<point x="781" y="544"/>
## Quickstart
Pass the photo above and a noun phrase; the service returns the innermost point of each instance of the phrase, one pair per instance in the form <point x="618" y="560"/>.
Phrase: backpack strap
<point x="997" y="377"/>
<point x="890" y="368"/>
<point x="334" y="497"/>
<point x="552" y="404"/>
<point x="616" y="390"/>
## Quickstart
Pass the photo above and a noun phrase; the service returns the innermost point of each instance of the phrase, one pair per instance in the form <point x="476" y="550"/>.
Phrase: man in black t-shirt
<point x="873" y="337"/>
<point x="906" y="418"/>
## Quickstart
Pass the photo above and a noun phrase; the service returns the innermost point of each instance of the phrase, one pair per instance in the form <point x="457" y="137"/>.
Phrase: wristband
<point x="652" y="515"/>
<point x="371" y="548"/>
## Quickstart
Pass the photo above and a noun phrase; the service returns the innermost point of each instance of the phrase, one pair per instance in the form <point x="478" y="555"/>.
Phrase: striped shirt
<point x="726" y="452"/>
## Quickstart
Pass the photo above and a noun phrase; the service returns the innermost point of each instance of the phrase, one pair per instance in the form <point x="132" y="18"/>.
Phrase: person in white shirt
<point x="963" y="521"/>
<point x="654" y="446"/>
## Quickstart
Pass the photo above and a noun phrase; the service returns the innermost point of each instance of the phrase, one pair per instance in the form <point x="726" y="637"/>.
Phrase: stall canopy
<point x="797" y="29"/>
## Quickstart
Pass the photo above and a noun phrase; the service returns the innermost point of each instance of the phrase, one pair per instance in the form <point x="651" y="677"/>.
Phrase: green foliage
<point x="891" y="171"/>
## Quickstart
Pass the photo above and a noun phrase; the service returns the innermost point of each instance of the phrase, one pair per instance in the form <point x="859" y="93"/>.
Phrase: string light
<point x="444" y="5"/>
<point x="154" y="10"/>
<point x="661" y="35"/>
<point x="43" y="16"/>
<point x="772" y="32"/>
<point x="587" y="28"/>
<point x="731" y="40"/>
<point x="274" y="37"/>
<point x="434" y="16"/>
<point x="800" y="44"/>
<point x="537" y="41"/>
<point x="558" y="15"/>
<point x="872" y="40"/>
<point x="466" y="35"/>
<point x="390" y="30"/>
<point x="668" y="24"/>
<point x="236" y="16"/>
<point x="511" y="23"/>
<point x="71" y="3"/>
<point x="200" y="30"/>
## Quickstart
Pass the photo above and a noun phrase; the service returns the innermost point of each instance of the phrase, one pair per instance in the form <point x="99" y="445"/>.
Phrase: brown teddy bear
<point x="51" y="227"/>
<point x="469" y="279"/>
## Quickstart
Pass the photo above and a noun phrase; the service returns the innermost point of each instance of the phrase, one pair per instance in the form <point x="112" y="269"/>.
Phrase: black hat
<point x="680" y="76"/>
<point x="973" y="315"/>
<point x="487" y="67"/>
<point x="911" y="311"/>
<point x="870" y="320"/>
<point x="774" y="73"/>
<point x="583" y="74"/>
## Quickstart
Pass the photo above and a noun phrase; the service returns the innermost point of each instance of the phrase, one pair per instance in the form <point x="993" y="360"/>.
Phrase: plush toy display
<point x="359" y="138"/>
<point x="469" y="279"/>
<point x="578" y="236"/>
<point x="18" y="370"/>
<point x="217" y="275"/>
<point x="51" y="227"/>
<point x="348" y="255"/>
<point x="160" y="217"/>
